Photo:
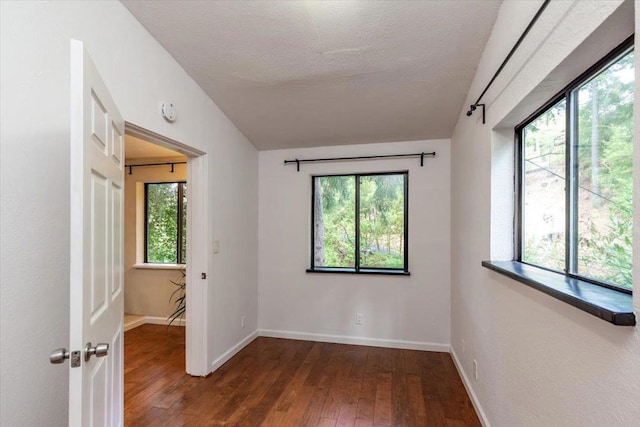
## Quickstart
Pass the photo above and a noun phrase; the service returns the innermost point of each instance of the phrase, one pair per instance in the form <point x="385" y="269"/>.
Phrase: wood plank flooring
<point x="277" y="382"/>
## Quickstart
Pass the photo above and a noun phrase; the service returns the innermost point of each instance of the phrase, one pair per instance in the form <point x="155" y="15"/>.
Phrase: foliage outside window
<point x="166" y="223"/>
<point x="360" y="223"/>
<point x="576" y="177"/>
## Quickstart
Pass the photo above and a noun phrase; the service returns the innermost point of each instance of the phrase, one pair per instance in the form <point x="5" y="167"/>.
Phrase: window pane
<point x="382" y="221"/>
<point x="162" y="214"/>
<point x="544" y="189"/>
<point x="605" y="171"/>
<point x="184" y="224"/>
<point x="334" y="221"/>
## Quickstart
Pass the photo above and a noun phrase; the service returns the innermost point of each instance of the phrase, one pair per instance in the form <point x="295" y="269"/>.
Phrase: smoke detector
<point x="169" y="112"/>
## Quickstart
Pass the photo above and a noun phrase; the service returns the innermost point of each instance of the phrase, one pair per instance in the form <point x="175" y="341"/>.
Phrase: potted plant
<point x="178" y="298"/>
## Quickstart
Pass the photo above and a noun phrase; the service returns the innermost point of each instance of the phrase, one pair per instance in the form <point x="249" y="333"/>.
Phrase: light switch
<point x="216" y="246"/>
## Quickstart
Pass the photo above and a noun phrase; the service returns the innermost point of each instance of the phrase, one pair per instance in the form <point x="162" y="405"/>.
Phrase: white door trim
<point x="197" y="244"/>
<point x="197" y="298"/>
<point x="156" y="138"/>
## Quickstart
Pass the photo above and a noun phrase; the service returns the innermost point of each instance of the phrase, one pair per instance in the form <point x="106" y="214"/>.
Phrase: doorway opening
<point x="155" y="240"/>
<point x="165" y="233"/>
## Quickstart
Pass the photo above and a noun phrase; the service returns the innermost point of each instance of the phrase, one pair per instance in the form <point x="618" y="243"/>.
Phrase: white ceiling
<point x="136" y="149"/>
<point x="308" y="73"/>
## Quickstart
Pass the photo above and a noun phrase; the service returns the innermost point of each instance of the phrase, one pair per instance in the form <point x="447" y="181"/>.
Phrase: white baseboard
<point x="343" y="339"/>
<point x="138" y="322"/>
<point x="154" y="321"/>
<point x="163" y="321"/>
<point x="233" y="351"/>
<point x="467" y="384"/>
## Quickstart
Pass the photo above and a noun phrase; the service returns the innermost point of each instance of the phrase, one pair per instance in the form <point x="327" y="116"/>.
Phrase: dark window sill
<point x="608" y="304"/>
<point x="361" y="271"/>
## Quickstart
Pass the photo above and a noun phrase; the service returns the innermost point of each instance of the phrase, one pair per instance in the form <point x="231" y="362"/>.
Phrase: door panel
<point x="98" y="390"/>
<point x="96" y="304"/>
<point x="117" y="144"/>
<point x="98" y="122"/>
<point x="98" y="238"/>
<point x="117" y="247"/>
<point x="117" y="367"/>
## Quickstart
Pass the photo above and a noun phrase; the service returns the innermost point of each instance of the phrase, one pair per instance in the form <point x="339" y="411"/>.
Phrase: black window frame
<point x="179" y="218"/>
<point x="565" y="94"/>
<point x="357" y="269"/>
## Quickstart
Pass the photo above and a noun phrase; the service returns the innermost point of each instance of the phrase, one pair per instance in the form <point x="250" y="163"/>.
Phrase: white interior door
<point x="96" y="305"/>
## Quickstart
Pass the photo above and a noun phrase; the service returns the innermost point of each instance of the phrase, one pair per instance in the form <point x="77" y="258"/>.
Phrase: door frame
<point x="197" y="238"/>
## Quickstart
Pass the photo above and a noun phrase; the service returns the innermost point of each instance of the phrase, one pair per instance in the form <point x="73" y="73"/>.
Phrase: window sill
<point x="608" y="304"/>
<point x="361" y="271"/>
<point x="152" y="266"/>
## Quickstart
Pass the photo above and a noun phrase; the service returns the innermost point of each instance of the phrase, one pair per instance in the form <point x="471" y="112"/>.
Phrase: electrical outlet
<point x="359" y="319"/>
<point x="243" y="321"/>
<point x="475" y="369"/>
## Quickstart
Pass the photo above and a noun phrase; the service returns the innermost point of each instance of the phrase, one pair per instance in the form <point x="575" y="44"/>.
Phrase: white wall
<point x="541" y="362"/>
<point x="398" y="311"/>
<point x="146" y="291"/>
<point x="34" y="270"/>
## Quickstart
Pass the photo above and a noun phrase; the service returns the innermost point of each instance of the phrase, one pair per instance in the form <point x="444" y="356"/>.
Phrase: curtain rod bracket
<point x="473" y="108"/>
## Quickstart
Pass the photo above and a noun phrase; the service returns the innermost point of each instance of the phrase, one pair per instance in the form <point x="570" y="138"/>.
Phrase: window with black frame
<point x="576" y="177"/>
<point x="359" y="223"/>
<point x="166" y="223"/>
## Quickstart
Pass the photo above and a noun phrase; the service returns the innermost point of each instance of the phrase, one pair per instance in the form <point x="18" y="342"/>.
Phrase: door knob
<point x="100" y="350"/>
<point x="59" y="356"/>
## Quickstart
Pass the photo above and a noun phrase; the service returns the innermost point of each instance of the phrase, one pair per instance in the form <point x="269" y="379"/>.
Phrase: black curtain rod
<point x="515" y="47"/>
<point x="339" y="159"/>
<point x="154" y="164"/>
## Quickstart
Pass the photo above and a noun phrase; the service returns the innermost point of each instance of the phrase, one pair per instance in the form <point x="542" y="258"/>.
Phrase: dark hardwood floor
<point x="277" y="382"/>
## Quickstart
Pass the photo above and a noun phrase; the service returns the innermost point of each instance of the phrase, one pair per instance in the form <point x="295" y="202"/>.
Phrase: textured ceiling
<point x="309" y="73"/>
